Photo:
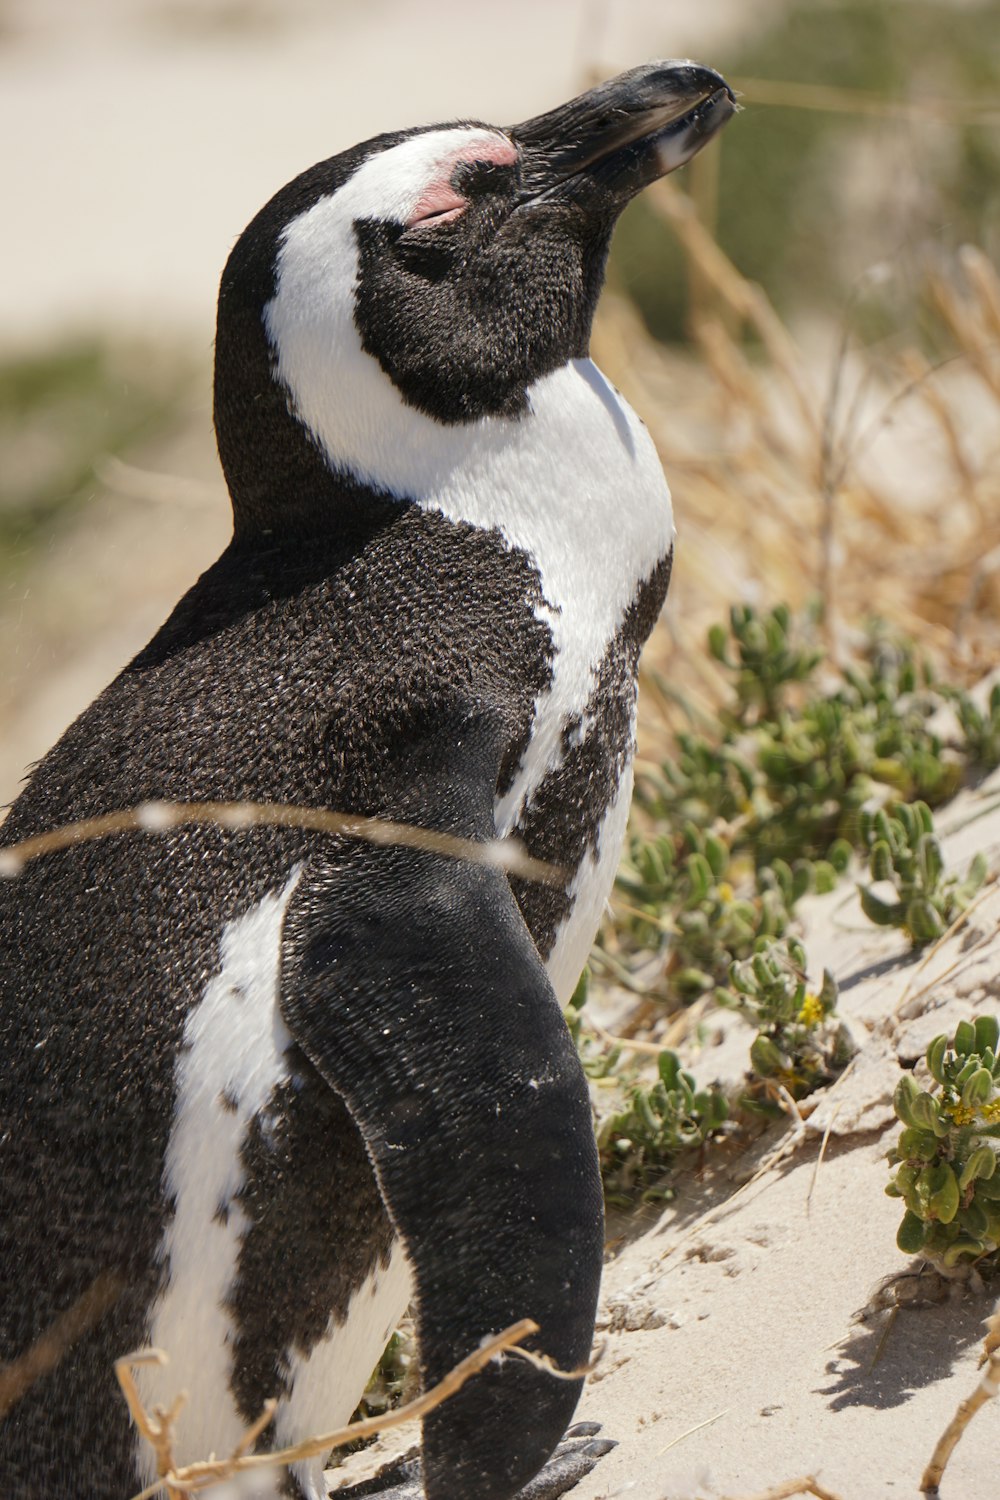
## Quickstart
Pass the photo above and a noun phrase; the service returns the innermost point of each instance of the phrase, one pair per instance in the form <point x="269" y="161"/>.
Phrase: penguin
<point x="262" y="1088"/>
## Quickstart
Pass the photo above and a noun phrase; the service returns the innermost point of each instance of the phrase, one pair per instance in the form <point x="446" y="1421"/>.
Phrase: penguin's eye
<point x="428" y="247"/>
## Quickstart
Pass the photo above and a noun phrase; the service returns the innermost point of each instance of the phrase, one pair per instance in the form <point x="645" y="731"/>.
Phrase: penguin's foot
<point x="575" y="1456"/>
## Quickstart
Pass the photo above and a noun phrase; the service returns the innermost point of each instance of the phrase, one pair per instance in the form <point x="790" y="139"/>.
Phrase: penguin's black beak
<point x="606" y="145"/>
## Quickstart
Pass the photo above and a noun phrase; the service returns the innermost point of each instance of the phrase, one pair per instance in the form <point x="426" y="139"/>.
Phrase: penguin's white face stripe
<point x="234" y="1058"/>
<point x="439" y="200"/>
<point x="396" y="185"/>
<point x="310" y="321"/>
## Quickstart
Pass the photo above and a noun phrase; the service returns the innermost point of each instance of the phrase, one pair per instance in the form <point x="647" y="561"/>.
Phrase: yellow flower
<point x="725" y="891"/>
<point x="962" y="1114"/>
<point x="812" y="1011"/>
<point x="991" y="1111"/>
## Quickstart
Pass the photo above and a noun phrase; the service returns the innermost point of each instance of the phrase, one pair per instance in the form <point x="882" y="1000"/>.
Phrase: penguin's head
<point x="431" y="277"/>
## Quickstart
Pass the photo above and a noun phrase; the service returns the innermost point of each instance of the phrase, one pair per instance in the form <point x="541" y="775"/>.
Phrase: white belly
<point x="236" y="1045"/>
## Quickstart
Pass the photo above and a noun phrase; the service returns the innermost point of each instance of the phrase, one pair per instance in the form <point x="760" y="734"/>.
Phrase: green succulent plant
<point x="980" y="728"/>
<point x="659" y="1121"/>
<point x="688" y="897"/>
<point x="799" y="1043"/>
<point x="792" y="759"/>
<point x="768" y="800"/>
<point x="945" y="1159"/>
<point x="765" y="656"/>
<point x="903" y="850"/>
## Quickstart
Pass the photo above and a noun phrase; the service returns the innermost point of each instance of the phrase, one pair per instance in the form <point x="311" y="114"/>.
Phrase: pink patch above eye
<point x="439" y="201"/>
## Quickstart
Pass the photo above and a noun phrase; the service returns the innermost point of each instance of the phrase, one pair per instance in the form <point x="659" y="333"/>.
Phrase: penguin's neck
<point x="574" y="485"/>
<point x="572" y="479"/>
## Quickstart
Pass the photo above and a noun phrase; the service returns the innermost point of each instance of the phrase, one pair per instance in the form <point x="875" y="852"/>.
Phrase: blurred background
<point x="808" y="318"/>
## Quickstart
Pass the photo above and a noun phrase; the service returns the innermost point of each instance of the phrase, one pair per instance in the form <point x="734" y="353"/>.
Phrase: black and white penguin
<point x="265" y="1086"/>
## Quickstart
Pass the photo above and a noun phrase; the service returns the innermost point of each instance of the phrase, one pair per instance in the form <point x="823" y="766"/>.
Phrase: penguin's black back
<point x="283" y="676"/>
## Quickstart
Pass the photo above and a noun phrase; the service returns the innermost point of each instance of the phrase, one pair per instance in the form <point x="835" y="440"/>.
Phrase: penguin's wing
<point x="412" y="984"/>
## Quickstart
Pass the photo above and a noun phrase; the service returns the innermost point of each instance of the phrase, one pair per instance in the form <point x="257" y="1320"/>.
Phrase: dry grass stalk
<point x="47" y="1351"/>
<point x="747" y="300"/>
<point x="783" y="493"/>
<point x="156" y="817"/>
<point x="191" y="1479"/>
<point x="807" y="1485"/>
<point x="690" y="1431"/>
<point x="830" y="99"/>
<point x="988" y="1387"/>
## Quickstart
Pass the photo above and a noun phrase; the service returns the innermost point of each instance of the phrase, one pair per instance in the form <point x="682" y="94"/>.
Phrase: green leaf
<point x="717" y="855"/>
<point x="978" y="1089"/>
<point x="974" y="1220"/>
<point x="717" y="640"/>
<point x="765" y="1058"/>
<point x="925" y="1112"/>
<point x="987" y="1030"/>
<point x="924" y="817"/>
<point x="880" y="861"/>
<point x="935" y="1057"/>
<point x="941" y="1187"/>
<point x="965" y="1038"/>
<point x="699" y="872"/>
<point x="923" y="920"/>
<point x="882" y="913"/>
<point x="980" y="1165"/>
<point x="988" y="1188"/>
<point x="902" y="1100"/>
<point x="916" y="1144"/>
<point x="930" y="859"/>
<point x="962" y="1249"/>
<point x="669" y="1067"/>
<point x="911" y="1233"/>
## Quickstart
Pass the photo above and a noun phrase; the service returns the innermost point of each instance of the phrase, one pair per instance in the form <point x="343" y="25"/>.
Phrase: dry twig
<point x="807" y="1485"/>
<point x="988" y="1387"/>
<point x="47" y="1351"/>
<point x="190" y="1479"/>
<point x="157" y="817"/>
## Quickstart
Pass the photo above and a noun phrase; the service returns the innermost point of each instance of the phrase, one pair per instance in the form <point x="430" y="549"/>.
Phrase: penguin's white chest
<point x="576" y="486"/>
<point x="585" y="498"/>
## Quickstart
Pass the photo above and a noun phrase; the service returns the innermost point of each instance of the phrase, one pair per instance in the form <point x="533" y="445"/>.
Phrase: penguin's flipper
<point x="574" y="1457"/>
<point x="412" y="984"/>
